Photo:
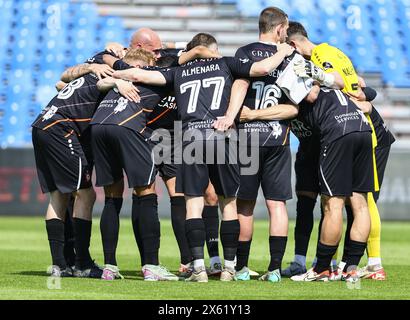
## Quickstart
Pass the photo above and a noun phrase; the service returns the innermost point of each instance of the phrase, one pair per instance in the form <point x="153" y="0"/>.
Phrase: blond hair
<point x="143" y="55"/>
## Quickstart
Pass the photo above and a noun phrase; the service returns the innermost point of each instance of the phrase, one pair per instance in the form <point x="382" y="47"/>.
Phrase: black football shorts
<point x="346" y="165"/>
<point x="222" y="171"/>
<point x="382" y="156"/>
<point x="117" y="148"/>
<point x="63" y="162"/>
<point x="306" y="169"/>
<point x="274" y="174"/>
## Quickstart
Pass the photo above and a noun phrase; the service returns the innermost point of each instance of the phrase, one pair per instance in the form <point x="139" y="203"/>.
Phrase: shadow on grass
<point x="32" y="273"/>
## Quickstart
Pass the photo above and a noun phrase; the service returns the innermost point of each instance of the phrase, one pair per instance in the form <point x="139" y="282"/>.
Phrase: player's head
<point x="139" y="58"/>
<point x="298" y="38"/>
<point x="147" y="39"/>
<point x="203" y="39"/>
<point x="165" y="62"/>
<point x="274" y="21"/>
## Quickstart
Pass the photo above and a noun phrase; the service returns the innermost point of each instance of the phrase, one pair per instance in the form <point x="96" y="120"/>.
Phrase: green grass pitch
<point x="24" y="257"/>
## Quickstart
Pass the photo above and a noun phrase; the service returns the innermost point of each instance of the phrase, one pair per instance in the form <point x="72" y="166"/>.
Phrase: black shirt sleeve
<point x="98" y="58"/>
<point x="121" y="65"/>
<point x="240" y="68"/>
<point x="169" y="75"/>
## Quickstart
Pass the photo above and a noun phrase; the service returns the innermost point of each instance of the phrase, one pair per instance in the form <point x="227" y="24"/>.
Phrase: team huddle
<point x="215" y="129"/>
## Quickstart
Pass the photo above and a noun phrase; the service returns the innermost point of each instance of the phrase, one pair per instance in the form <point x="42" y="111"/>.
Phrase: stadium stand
<point x="41" y="38"/>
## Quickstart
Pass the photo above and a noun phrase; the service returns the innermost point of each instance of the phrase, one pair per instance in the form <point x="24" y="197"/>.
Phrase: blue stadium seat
<point x="282" y="4"/>
<point x="249" y="8"/>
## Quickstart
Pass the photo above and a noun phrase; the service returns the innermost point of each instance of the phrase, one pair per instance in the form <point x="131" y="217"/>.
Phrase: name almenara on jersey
<point x="200" y="69"/>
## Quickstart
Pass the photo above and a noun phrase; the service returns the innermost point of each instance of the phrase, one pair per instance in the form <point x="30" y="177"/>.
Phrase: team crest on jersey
<point x="122" y="104"/>
<point x="244" y="60"/>
<point x="276" y="129"/>
<point x="50" y="113"/>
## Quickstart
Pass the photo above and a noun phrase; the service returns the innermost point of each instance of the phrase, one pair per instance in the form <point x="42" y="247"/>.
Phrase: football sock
<point x="304" y="224"/>
<point x="69" y="253"/>
<point x="199" y="264"/>
<point x="110" y="227"/>
<point x="214" y="260"/>
<point x="350" y="218"/>
<point x="178" y="216"/>
<point x="229" y="264"/>
<point x="242" y="254"/>
<point x="211" y="221"/>
<point x="135" y="225"/>
<point x="55" y="233"/>
<point x="300" y="259"/>
<point x="149" y="228"/>
<point x="82" y="235"/>
<point x="324" y="256"/>
<point x="373" y="243"/>
<point x="342" y="265"/>
<point x="229" y="239"/>
<point x="277" y="247"/>
<point x="356" y="251"/>
<point x="195" y="233"/>
<point x="374" y="262"/>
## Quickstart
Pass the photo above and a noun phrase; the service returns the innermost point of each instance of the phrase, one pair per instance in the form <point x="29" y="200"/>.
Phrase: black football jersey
<point x="202" y="89"/>
<point x="117" y="110"/>
<point x="72" y="108"/>
<point x="164" y="114"/>
<point x="334" y="115"/>
<point x="309" y="138"/>
<point x="263" y="93"/>
<point x="384" y="137"/>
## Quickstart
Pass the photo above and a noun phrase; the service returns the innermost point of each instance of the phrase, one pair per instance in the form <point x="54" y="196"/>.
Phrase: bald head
<point x="147" y="39"/>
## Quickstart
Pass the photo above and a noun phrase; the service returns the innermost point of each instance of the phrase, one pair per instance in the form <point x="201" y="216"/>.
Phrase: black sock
<point x="149" y="228"/>
<point x="230" y="238"/>
<point x="135" y="225"/>
<point x="211" y="220"/>
<point x="110" y="227"/>
<point x="55" y="233"/>
<point x="324" y="254"/>
<point x="349" y="214"/>
<point x="277" y="247"/>
<point x="82" y="236"/>
<point x="304" y="224"/>
<point x="178" y="217"/>
<point x="195" y="233"/>
<point x="322" y="217"/>
<point x="69" y="253"/>
<point x="242" y="254"/>
<point x="356" y="252"/>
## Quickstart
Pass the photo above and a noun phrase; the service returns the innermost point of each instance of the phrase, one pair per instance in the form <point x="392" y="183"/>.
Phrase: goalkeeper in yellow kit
<point x="332" y="68"/>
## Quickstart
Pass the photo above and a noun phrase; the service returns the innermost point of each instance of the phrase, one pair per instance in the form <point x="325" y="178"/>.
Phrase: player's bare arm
<point x="126" y="88"/>
<point x="60" y="85"/>
<point x="365" y="106"/>
<point x="197" y="52"/>
<point x="266" y="66"/>
<point x="75" y="72"/>
<point x="116" y="48"/>
<point x="141" y="75"/>
<point x="238" y="93"/>
<point x="278" y="112"/>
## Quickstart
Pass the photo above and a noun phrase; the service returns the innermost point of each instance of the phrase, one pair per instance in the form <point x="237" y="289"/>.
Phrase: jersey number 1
<point x="195" y="86"/>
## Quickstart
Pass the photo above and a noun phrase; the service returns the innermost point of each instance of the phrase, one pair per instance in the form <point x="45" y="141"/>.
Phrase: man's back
<point x="202" y="89"/>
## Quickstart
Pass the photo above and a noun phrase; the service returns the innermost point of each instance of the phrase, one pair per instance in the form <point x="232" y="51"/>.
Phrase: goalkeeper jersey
<point x="331" y="59"/>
